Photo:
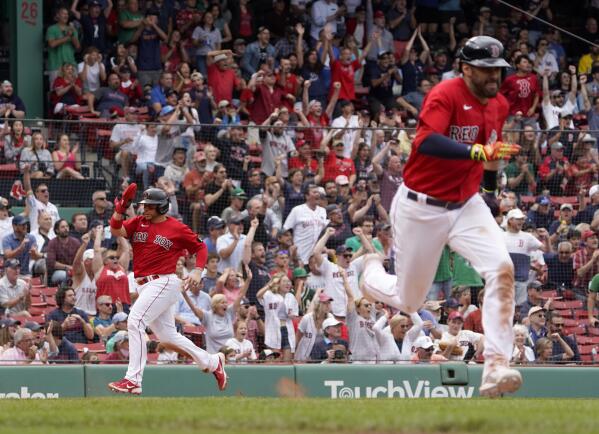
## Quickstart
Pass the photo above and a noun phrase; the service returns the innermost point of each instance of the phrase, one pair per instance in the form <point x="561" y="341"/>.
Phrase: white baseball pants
<point x="420" y="231"/>
<point x="155" y="307"/>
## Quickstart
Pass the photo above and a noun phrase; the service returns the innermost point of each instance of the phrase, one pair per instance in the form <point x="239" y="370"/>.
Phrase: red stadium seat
<point x="48" y="291"/>
<point x="567" y="313"/>
<point x="36" y="281"/>
<point x="574" y="304"/>
<point x="586" y="349"/>
<point x="549" y="294"/>
<point x="593" y="331"/>
<point x="575" y="330"/>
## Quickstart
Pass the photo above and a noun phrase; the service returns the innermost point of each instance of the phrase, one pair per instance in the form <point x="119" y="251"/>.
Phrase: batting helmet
<point x="156" y="196"/>
<point x="483" y="52"/>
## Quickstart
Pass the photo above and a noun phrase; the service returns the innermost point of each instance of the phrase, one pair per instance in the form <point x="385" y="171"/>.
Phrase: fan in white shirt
<point x="310" y="327"/>
<point x="307" y="222"/>
<point x="455" y="342"/>
<point x="243" y="350"/>
<point x="396" y="339"/>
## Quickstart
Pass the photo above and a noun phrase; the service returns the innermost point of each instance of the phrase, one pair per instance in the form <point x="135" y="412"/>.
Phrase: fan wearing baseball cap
<point x="520" y="245"/>
<point x="313" y="324"/>
<point x="585" y="215"/>
<point x="457" y="343"/>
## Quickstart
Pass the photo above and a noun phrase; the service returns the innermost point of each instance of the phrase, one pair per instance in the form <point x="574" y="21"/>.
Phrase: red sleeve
<point x="130" y="225"/>
<point x="357" y="65"/>
<point x="545" y="169"/>
<point x="194" y="244"/>
<point x="436" y="115"/>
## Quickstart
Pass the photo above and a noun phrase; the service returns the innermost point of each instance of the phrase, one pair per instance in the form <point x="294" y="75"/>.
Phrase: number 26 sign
<point x="29" y="12"/>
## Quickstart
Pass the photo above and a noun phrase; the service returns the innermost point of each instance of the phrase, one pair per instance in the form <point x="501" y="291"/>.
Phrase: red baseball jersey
<point x="158" y="246"/>
<point x="520" y="92"/>
<point x="452" y="110"/>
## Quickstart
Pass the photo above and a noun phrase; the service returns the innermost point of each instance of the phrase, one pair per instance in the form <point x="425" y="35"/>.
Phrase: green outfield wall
<point x="458" y="381"/>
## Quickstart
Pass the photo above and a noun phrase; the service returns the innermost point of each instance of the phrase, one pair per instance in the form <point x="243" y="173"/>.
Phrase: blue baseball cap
<point x="166" y="110"/>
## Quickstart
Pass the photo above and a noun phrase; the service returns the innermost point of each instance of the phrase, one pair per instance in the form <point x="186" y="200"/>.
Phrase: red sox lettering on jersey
<point x="163" y="242"/>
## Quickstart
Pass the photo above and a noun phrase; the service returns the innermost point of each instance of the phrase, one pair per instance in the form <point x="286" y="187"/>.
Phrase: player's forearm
<point x="437" y="145"/>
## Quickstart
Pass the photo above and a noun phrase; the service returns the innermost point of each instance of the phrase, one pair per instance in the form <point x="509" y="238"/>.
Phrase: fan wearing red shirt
<point x="522" y="89"/>
<point x="335" y="163"/>
<point x="316" y="116"/>
<point x="158" y="241"/>
<point x="458" y="135"/>
<point x="344" y="69"/>
<point x="288" y="83"/>
<point x="266" y="96"/>
<point x="112" y="279"/>
<point x="221" y="77"/>
<point x="67" y="87"/>
<point x="305" y="161"/>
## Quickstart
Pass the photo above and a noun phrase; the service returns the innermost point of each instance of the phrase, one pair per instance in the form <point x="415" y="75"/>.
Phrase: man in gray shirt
<point x="14" y="292"/>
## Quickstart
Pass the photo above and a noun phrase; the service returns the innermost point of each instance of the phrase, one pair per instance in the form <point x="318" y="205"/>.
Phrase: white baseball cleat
<point x="500" y="380"/>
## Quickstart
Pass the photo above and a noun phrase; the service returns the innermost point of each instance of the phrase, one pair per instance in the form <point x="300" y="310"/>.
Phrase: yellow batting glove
<point x="493" y="152"/>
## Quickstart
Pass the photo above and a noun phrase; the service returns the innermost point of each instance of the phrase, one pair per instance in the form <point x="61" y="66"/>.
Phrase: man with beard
<point x="458" y="137"/>
<point x="236" y="149"/>
<point x="21" y="245"/>
<point x="74" y="322"/>
<point x="109" y="98"/>
<point x="254" y="256"/>
<point x="61" y="253"/>
<point x="276" y="144"/>
<point x="11" y="106"/>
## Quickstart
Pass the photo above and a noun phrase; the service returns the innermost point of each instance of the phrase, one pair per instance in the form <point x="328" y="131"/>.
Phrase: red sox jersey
<point x="452" y="110"/>
<point x="158" y="246"/>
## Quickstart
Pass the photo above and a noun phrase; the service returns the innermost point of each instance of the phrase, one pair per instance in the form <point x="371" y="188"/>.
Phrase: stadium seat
<point x="36" y="281"/>
<point x="586" y="349"/>
<point x="49" y="291"/>
<point x="575" y="330"/>
<point x="594" y="331"/>
<point x="96" y="347"/>
<point x="573" y="304"/>
<point x="549" y="294"/>
<point x="566" y="313"/>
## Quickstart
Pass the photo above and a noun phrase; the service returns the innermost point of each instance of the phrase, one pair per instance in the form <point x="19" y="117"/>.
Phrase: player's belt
<point x="144" y="280"/>
<point x="436" y="202"/>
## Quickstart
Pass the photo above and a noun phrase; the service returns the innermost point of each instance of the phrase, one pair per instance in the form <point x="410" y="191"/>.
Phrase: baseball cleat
<point x="500" y="380"/>
<point x="125" y="386"/>
<point x="219" y="373"/>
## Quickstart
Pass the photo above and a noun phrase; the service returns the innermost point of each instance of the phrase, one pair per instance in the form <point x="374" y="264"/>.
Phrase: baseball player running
<point x="158" y="242"/>
<point x="458" y="136"/>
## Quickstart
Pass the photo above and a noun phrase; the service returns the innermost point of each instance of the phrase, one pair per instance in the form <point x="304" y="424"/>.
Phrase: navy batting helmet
<point x="156" y="196"/>
<point x="483" y="52"/>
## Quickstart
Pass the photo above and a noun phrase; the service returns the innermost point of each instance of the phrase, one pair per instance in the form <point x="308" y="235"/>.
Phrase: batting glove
<point x="493" y="152"/>
<point x="121" y="205"/>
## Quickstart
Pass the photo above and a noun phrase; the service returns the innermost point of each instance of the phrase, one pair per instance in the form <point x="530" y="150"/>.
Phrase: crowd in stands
<point x="279" y="131"/>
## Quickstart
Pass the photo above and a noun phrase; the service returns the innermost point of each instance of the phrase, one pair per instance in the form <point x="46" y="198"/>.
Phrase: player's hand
<point x="193" y="280"/>
<point x="494" y="152"/>
<point x="121" y="205"/>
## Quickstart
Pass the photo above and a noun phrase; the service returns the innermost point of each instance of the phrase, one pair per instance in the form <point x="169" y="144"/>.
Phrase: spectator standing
<point x="520" y="246"/>
<point x="221" y="76"/>
<point x="206" y="38"/>
<point x="257" y="53"/>
<point x="15" y="295"/>
<point x="390" y="178"/>
<point x="110" y="99"/>
<point x="560" y="267"/>
<point x="92" y="71"/>
<point x="310" y="328"/>
<point x="344" y="69"/>
<point x="586" y="263"/>
<point x="520" y="175"/>
<point x="130" y="19"/>
<point x="553" y="103"/>
<point x="94" y="23"/>
<point x="148" y="36"/>
<point x="86" y="266"/>
<point x="363" y="345"/>
<point x="74" y="322"/>
<point x="522" y="91"/>
<point x="553" y="170"/>
<point x="325" y="15"/>
<point x="63" y="42"/>
<point x="230" y="245"/>
<point x="61" y="253"/>
<point x="413" y="64"/>
<point x="307" y="222"/>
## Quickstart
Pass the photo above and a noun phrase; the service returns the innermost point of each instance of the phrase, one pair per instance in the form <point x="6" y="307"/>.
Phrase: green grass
<point x="266" y="416"/>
